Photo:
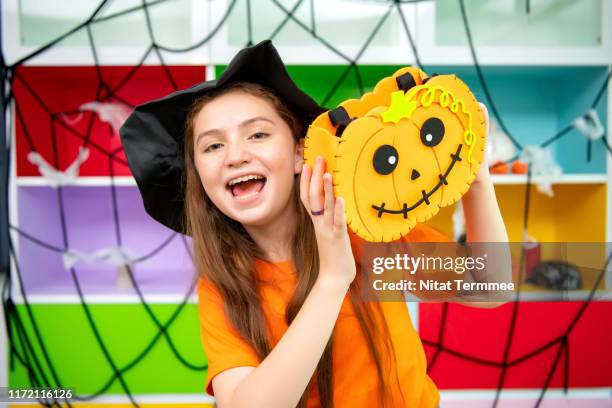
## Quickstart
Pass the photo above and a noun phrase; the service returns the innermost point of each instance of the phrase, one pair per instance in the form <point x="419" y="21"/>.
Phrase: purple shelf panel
<point x="90" y="227"/>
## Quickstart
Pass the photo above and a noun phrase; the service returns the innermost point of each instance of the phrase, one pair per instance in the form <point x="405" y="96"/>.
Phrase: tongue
<point x="247" y="187"/>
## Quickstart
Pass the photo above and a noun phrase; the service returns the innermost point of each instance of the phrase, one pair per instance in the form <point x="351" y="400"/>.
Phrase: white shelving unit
<point x="505" y="34"/>
<point x="28" y="25"/>
<point x="565" y="179"/>
<point x="344" y="23"/>
<point x="128" y="181"/>
<point x="90" y="181"/>
<point x="104" y="299"/>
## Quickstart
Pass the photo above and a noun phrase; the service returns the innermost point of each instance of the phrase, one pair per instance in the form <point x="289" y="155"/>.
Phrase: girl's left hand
<point x="336" y="260"/>
<point x="484" y="176"/>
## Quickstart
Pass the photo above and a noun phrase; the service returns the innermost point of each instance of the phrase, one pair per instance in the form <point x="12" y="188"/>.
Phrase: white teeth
<point x="244" y="178"/>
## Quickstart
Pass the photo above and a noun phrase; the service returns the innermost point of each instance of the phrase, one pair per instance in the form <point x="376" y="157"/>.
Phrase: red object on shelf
<point x="519" y="167"/>
<point x="483" y="334"/>
<point x="499" y="168"/>
<point x="533" y="254"/>
<point x="65" y="89"/>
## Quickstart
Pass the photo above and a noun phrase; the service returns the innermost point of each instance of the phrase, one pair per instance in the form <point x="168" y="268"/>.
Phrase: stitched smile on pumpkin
<point x="425" y="199"/>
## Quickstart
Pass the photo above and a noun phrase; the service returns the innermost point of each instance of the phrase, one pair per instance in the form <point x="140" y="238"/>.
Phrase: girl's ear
<point x="299" y="155"/>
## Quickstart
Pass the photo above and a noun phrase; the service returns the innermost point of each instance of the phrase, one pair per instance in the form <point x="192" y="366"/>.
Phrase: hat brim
<point x="153" y="135"/>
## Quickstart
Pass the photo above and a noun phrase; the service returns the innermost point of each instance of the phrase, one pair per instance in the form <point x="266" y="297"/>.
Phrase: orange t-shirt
<point x="355" y="380"/>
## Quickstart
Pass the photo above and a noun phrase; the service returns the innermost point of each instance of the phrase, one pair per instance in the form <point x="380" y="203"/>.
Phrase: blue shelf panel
<point x="535" y="103"/>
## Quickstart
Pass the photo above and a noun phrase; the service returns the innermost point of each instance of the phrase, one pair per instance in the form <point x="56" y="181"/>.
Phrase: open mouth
<point x="425" y="198"/>
<point x="246" y="187"/>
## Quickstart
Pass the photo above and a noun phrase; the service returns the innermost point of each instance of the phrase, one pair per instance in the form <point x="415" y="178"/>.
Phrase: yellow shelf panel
<point x="576" y="213"/>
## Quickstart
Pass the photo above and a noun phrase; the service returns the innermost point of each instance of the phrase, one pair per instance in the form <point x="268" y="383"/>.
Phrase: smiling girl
<point x="282" y="322"/>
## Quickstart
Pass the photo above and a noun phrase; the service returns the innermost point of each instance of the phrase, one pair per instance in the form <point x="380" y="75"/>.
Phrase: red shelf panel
<point x="483" y="333"/>
<point x="65" y="89"/>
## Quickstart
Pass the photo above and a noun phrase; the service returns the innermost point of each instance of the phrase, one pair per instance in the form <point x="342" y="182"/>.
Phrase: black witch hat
<point x="153" y="135"/>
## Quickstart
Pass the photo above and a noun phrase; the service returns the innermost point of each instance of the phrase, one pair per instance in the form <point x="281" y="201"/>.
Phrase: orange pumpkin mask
<point x="401" y="152"/>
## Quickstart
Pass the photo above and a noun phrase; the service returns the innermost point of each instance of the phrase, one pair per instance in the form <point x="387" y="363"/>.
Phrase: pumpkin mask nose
<point x="415" y="174"/>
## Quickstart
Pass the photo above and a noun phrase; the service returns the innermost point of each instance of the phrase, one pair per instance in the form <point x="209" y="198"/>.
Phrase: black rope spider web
<point x="15" y="324"/>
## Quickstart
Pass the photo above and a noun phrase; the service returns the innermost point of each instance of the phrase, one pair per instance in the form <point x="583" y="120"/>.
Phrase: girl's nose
<point x="236" y="154"/>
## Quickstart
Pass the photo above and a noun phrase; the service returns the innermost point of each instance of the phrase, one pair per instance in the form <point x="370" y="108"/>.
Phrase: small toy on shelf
<point x="122" y="258"/>
<point x="544" y="169"/>
<point x="55" y="177"/>
<point x="519" y="167"/>
<point x="499" y="167"/>
<point x="589" y="125"/>
<point x="557" y="275"/>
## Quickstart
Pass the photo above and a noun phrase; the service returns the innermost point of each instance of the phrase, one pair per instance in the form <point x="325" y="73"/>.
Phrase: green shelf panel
<point x="317" y="80"/>
<point x="126" y="331"/>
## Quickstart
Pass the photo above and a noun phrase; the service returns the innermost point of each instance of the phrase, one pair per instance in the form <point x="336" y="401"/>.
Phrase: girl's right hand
<point x="337" y="263"/>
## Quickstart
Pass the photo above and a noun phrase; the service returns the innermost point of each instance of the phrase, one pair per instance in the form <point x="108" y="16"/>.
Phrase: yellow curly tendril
<point x="404" y="104"/>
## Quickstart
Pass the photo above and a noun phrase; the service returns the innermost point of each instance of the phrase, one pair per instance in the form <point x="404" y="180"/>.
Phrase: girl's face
<point x="246" y="157"/>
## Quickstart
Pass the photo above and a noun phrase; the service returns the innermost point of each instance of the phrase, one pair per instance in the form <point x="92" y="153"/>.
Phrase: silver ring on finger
<point x="320" y="212"/>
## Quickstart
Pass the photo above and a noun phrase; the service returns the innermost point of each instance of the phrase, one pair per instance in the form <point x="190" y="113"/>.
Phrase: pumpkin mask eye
<point x="385" y="159"/>
<point x="432" y="132"/>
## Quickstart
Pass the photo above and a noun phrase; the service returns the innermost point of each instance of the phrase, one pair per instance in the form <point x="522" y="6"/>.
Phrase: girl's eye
<point x="212" y="147"/>
<point x="259" y="135"/>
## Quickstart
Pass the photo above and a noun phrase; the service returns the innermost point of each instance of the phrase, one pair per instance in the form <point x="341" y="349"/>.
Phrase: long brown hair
<point x="224" y="254"/>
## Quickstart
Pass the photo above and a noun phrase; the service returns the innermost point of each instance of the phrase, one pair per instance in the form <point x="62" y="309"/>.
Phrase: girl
<point x="281" y="320"/>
